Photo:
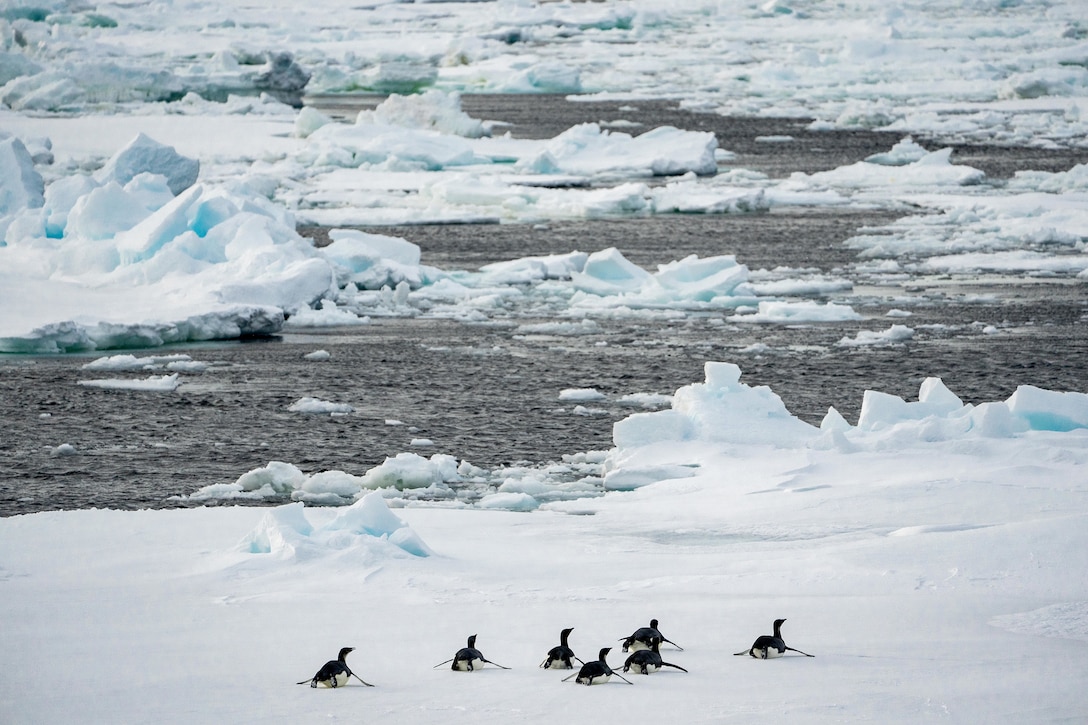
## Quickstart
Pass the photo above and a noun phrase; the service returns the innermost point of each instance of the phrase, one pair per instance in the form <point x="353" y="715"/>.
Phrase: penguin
<point x="647" y="661"/>
<point x="597" y="672"/>
<point x="335" y="673"/>
<point x="467" y="658"/>
<point x="770" y="646"/>
<point x="559" y="657"/>
<point x="644" y="635"/>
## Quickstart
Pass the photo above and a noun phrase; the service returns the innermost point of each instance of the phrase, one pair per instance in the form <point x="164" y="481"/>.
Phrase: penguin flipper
<point x="360" y="679"/>
<point x="670" y="664"/>
<point x="741" y="654"/>
<point x="806" y="654"/>
<point x="565" y="679"/>
<point x="496" y="664"/>
<point x="617" y="674"/>
<point x="442" y="663"/>
<point x="304" y="682"/>
<point x="673" y="644"/>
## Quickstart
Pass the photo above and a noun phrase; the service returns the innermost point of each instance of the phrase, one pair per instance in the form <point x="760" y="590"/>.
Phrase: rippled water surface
<point x="485" y="394"/>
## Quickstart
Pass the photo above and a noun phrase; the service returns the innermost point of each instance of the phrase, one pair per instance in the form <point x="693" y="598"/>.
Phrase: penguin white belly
<point x="338" y="680"/>
<point x="768" y="653"/>
<point x="595" y="680"/>
<point x="469" y="665"/>
<point x="559" y="665"/>
<point x="637" y="646"/>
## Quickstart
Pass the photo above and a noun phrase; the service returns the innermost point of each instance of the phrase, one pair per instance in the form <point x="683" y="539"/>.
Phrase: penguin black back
<point x="646" y="661"/>
<point x="561" y="657"/>
<point x="335" y="673"/>
<point x="643" y="636"/>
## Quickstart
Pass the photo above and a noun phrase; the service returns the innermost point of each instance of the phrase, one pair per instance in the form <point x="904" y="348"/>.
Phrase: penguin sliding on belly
<point x="597" y="672"/>
<point x="643" y="636"/>
<point x="646" y="661"/>
<point x="770" y="646"/>
<point x="468" y="659"/>
<point x="560" y="657"/>
<point x="335" y="673"/>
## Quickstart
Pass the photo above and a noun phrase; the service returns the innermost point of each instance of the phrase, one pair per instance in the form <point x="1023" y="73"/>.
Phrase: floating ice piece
<point x="433" y="109"/>
<point x="326" y="314"/>
<point x="893" y="335"/>
<point x="609" y="273"/>
<point x="319" y="407"/>
<point x="535" y="269"/>
<point x="933" y="169"/>
<point x="905" y="152"/>
<point x="1049" y="409"/>
<point x="581" y="394"/>
<point x="165" y="383"/>
<point x="146" y="155"/>
<point x="408" y="470"/>
<point x="21" y="186"/>
<point x="509" y="502"/>
<point x="276" y="477"/>
<point x="663" y="151"/>
<point x="884" y="409"/>
<point x="721" y="409"/>
<point x="372" y="261"/>
<point x="799" y="312"/>
<point x="131" y="362"/>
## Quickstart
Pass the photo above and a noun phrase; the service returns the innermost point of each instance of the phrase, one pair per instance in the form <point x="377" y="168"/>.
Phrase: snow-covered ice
<point x="923" y="556"/>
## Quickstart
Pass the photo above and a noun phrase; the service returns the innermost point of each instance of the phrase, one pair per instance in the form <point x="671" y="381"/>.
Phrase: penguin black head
<point x="566" y="633"/>
<point x="344" y="651"/>
<point x="778" y="627"/>
<point x="603" y="653"/>
<point x="472" y="642"/>
<point x="653" y="623"/>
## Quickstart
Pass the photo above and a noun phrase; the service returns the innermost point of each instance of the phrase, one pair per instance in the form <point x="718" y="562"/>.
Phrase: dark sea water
<point x="489" y="396"/>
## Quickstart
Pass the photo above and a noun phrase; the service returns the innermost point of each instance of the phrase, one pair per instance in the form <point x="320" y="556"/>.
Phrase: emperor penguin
<point x="335" y="673"/>
<point x="647" y="661"/>
<point x="561" y="657"/>
<point x="597" y="672"/>
<point x="643" y="636"/>
<point x="771" y="646"/>
<point x="469" y="659"/>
